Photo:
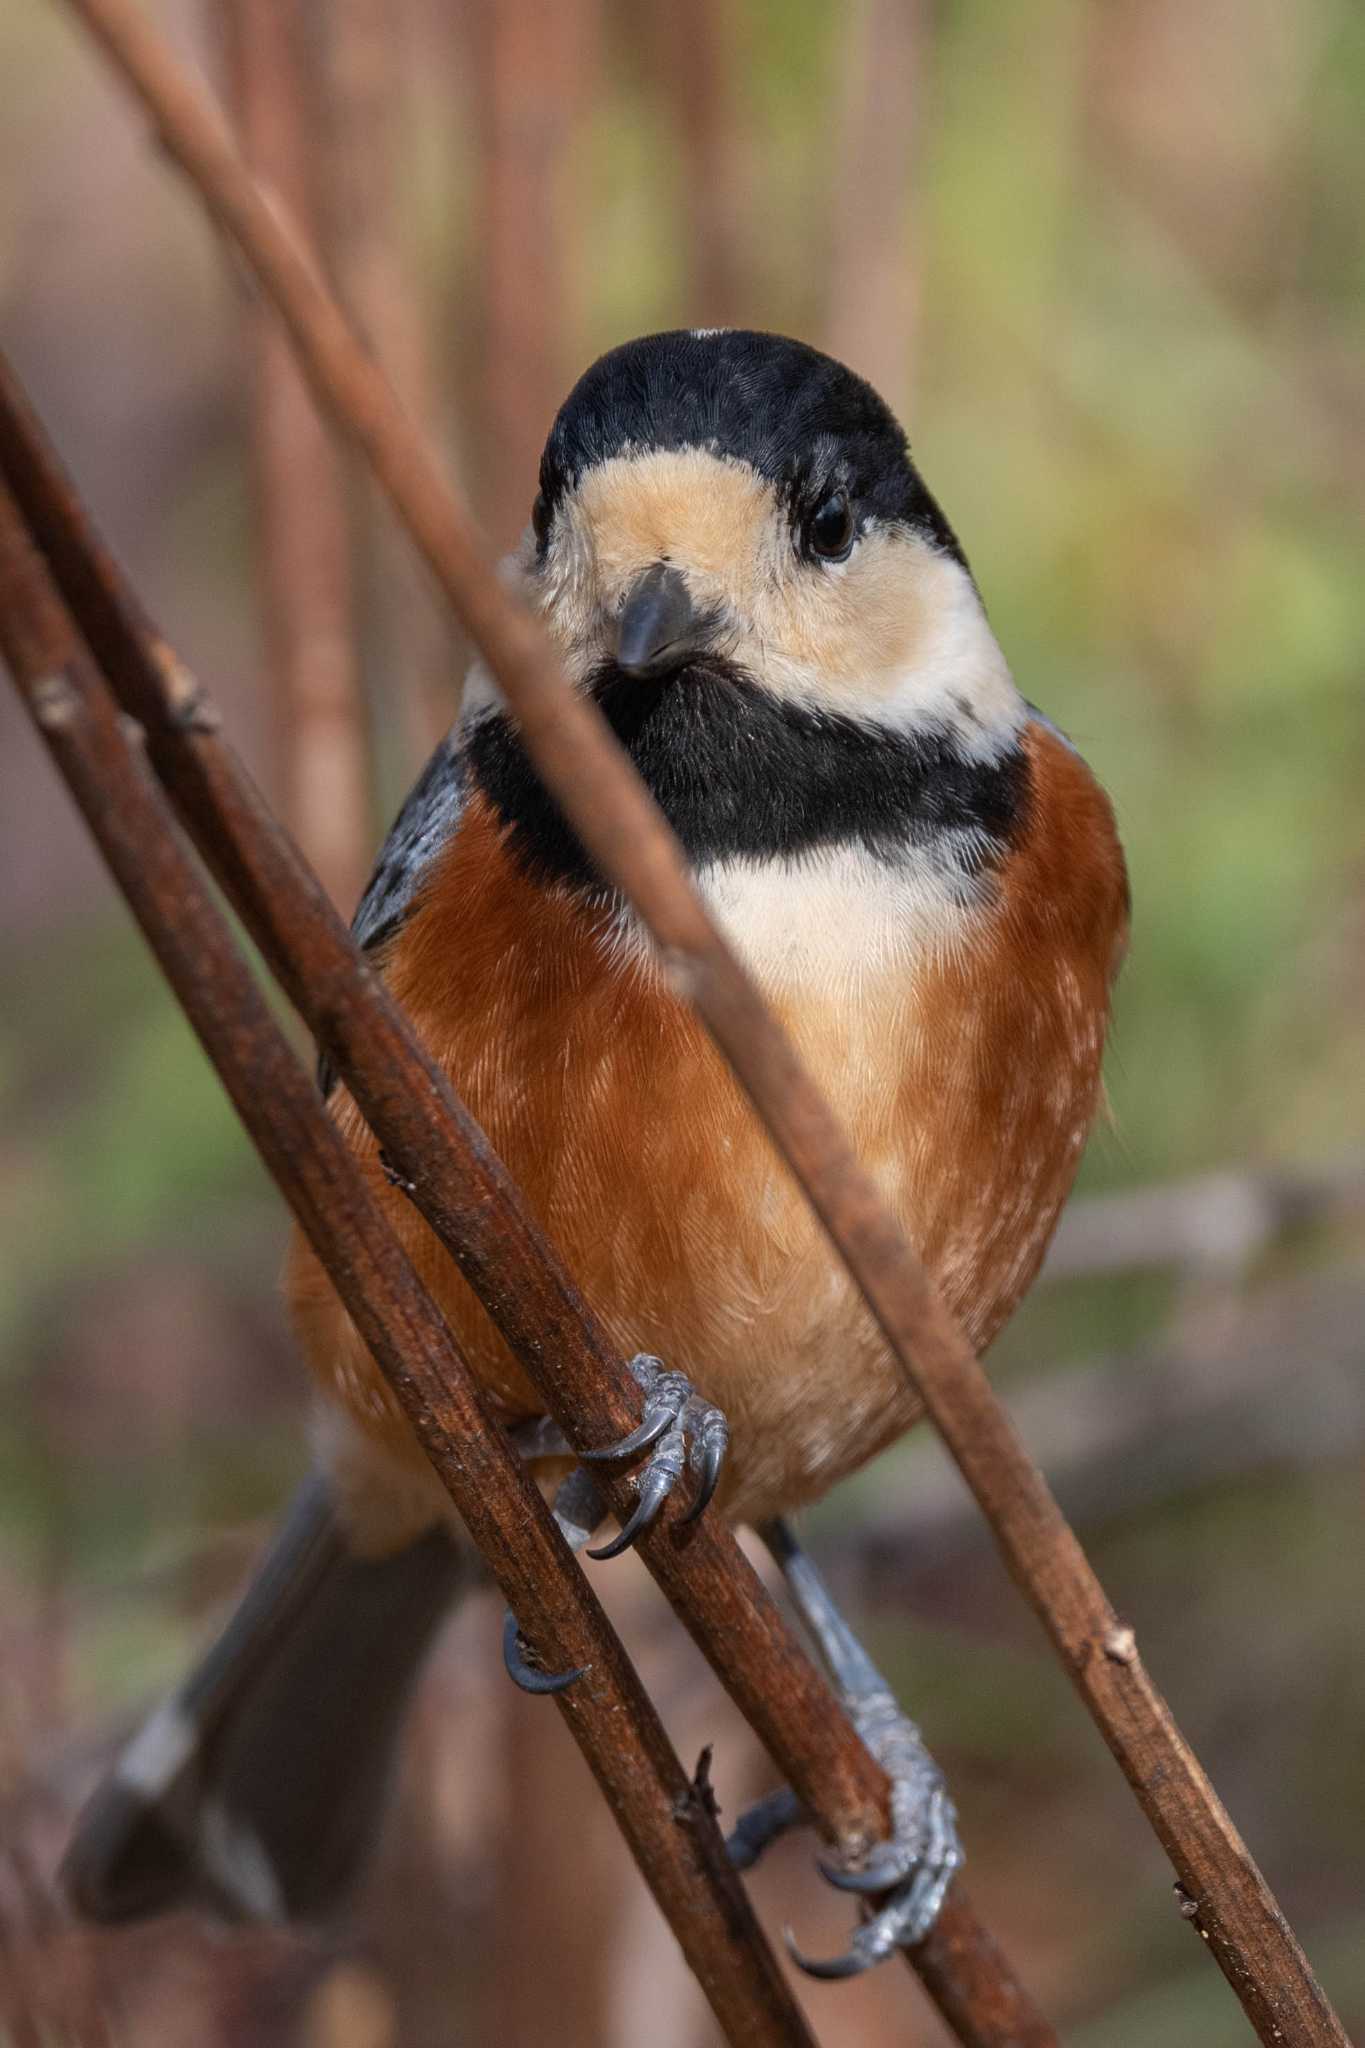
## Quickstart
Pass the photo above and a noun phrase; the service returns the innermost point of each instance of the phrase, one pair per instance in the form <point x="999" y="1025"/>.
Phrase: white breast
<point x="840" y="920"/>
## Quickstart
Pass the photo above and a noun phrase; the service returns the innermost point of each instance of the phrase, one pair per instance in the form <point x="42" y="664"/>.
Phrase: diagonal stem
<point x="611" y="1716"/>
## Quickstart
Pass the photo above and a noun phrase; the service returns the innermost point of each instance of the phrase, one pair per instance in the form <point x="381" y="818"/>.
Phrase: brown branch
<point x="1123" y="1434"/>
<point x="693" y="52"/>
<point x="462" y="1189"/>
<point x="671" y="1831"/>
<point x="871" y="271"/>
<point x="1217" y="1222"/>
<point x="1233" y="1909"/>
<point x="303" y="538"/>
<point x="531" y="64"/>
<point x="357" y="48"/>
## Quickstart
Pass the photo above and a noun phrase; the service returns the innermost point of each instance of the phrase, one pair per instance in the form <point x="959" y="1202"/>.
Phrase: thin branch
<point x="360" y="79"/>
<point x="693" y="50"/>
<point x="1219" y="1222"/>
<point x="871" y="270"/>
<point x="532" y="66"/>
<point x="669" y="1827"/>
<point x="1122" y="1434"/>
<point x="462" y="1189"/>
<point x="303" y="539"/>
<point x="1234" y="1911"/>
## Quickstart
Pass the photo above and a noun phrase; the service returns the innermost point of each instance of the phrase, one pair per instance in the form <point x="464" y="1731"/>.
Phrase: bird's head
<point x="738" y="559"/>
<point x="733" y="498"/>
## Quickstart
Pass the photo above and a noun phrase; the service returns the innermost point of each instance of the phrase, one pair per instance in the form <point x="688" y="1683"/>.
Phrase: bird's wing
<point x="425" y="824"/>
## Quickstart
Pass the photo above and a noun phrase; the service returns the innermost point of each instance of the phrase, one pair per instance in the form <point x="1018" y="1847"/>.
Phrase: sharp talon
<point x="654" y="1491"/>
<point x="641" y="1439"/>
<point x="874" y="1877"/>
<point x="712" y="1459"/>
<point x="850" y="1965"/>
<point x="525" y="1675"/>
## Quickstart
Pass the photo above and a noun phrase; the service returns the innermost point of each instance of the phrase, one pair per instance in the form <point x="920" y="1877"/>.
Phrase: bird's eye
<point x="831" y="528"/>
<point x="540" y="519"/>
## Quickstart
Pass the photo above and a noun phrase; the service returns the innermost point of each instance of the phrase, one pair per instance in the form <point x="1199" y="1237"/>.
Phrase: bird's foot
<point x="909" y="1874"/>
<point x="679" y="1428"/>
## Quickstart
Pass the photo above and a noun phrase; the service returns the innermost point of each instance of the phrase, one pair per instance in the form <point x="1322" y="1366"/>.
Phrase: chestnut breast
<point x="960" y="1041"/>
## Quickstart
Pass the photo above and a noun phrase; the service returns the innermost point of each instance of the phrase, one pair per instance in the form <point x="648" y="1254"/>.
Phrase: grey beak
<point x="659" y="625"/>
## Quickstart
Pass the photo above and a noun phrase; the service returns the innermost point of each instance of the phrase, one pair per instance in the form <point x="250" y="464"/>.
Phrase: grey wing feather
<point x="425" y="824"/>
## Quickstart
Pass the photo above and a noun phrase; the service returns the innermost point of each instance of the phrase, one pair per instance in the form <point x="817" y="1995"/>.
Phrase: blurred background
<point x="1108" y="260"/>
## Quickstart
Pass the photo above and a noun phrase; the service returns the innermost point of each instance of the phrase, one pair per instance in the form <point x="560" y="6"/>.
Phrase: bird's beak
<point x="660" y="626"/>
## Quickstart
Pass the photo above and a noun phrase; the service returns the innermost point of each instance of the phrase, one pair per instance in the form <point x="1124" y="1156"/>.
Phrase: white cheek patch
<point x="960" y="680"/>
<point x="899" y="639"/>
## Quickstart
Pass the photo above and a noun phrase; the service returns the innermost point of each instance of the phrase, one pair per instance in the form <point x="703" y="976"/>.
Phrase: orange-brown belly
<point x="968" y="1086"/>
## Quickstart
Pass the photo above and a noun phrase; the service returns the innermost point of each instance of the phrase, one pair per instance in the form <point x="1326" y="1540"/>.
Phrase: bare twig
<point x="532" y="67"/>
<point x="871" y="269"/>
<point x="302" y="521"/>
<point x="1234" y="1910"/>
<point x="695" y="72"/>
<point x="1123" y="1434"/>
<point x="464" y="1192"/>
<point x="1219" y="1222"/>
<point x="671" y="1832"/>
<point x="357" y="48"/>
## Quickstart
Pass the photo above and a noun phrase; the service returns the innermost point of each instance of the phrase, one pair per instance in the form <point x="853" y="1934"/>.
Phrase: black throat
<point x="739" y="772"/>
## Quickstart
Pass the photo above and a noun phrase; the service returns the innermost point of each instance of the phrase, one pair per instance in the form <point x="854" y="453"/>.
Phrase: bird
<point x="736" y="557"/>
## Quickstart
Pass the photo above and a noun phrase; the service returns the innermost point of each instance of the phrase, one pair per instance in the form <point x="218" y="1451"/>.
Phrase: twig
<point x="614" y="816"/>
<point x="871" y="269"/>
<point x="695" y="71"/>
<point x="1122" y="1434"/>
<point x="608" y="1711"/>
<point x="1217" y="1221"/>
<point x="464" y="1192"/>
<point x="531" y="64"/>
<point x="358" y="48"/>
<point x="303" y="540"/>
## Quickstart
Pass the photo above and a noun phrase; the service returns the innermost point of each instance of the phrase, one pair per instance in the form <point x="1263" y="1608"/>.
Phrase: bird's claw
<point x="576" y="1511"/>
<point x="529" y="1677"/>
<point x="679" y="1428"/>
<point x="915" y="1868"/>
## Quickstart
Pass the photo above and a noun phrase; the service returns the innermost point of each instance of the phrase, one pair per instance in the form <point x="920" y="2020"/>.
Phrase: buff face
<point x="885" y="625"/>
<point x="892" y="630"/>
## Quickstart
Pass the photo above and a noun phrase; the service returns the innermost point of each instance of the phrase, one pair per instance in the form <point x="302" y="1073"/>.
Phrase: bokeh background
<point x="1107" y="257"/>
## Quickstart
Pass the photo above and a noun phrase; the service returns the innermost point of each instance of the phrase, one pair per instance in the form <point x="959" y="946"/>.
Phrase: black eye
<point x="831" y="528"/>
<point x="540" y="519"/>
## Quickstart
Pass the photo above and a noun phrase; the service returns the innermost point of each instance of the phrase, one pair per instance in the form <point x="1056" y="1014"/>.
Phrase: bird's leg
<point x="914" y="1869"/>
<point x="679" y="1428"/>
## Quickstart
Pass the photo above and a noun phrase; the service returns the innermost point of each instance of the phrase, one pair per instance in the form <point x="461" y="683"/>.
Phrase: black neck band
<point x="739" y="772"/>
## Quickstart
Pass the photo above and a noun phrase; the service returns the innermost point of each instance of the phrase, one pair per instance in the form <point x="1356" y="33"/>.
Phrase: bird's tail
<point x="256" y="1789"/>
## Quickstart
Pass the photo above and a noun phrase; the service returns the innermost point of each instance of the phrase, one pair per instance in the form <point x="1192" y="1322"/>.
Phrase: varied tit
<point x="738" y="561"/>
